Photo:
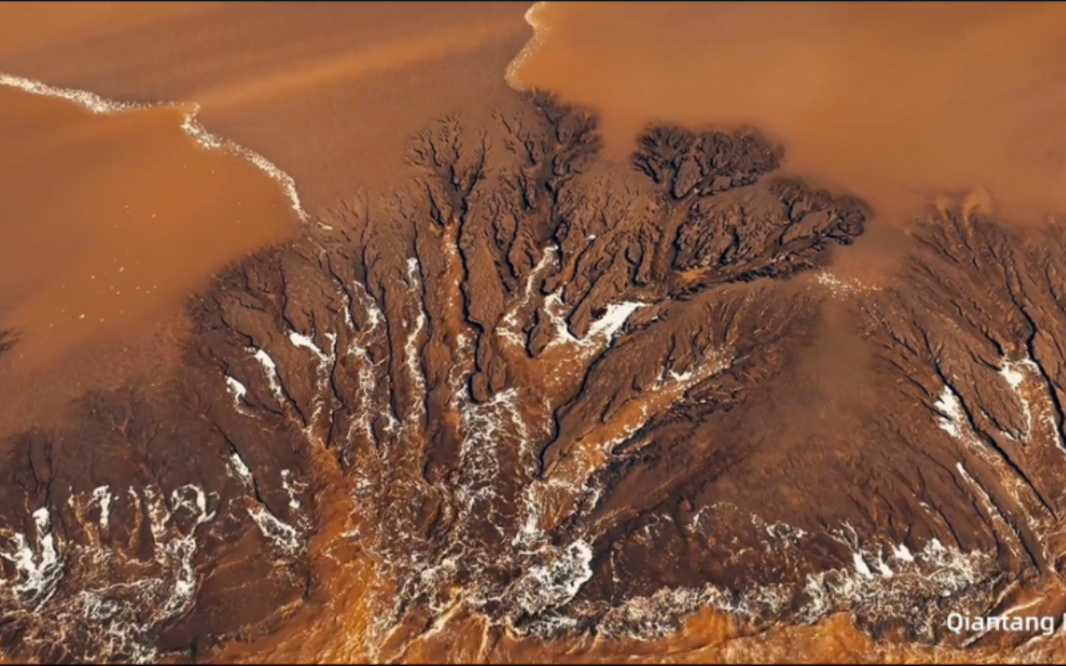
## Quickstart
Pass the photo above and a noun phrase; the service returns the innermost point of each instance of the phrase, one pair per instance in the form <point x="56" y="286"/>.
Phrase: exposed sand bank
<point x="331" y="92"/>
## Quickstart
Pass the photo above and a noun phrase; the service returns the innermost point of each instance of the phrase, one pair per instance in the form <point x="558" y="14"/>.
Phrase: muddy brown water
<point x="108" y="222"/>
<point x="893" y="102"/>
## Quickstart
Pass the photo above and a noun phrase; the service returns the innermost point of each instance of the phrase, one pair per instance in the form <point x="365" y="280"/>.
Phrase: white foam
<point x="242" y="470"/>
<point x="179" y="498"/>
<point x="600" y="332"/>
<point x="366" y="374"/>
<point x="487" y="428"/>
<point x="509" y="327"/>
<point x="411" y="357"/>
<point x="953" y="419"/>
<point x="183" y="592"/>
<point x="540" y="29"/>
<point x="556" y="312"/>
<point x="271" y="370"/>
<point x="841" y="287"/>
<point x="238" y="389"/>
<point x="103" y="496"/>
<point x="38" y="565"/>
<point x="901" y="552"/>
<point x="284" y="536"/>
<point x="301" y="340"/>
<point x="1010" y="372"/>
<point x="861" y="566"/>
<point x="190" y="125"/>
<point x="291" y="487"/>
<point x="613" y="319"/>
<point x="883" y="568"/>
<point x="558" y="581"/>
<point x="1039" y="417"/>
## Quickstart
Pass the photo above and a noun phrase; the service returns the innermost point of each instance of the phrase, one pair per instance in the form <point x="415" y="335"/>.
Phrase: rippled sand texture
<point x="893" y="102"/>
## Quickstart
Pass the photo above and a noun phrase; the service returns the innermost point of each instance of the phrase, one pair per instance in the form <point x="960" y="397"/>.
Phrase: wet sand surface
<point x="895" y="103"/>
<point x="318" y="87"/>
<point x="331" y="92"/>
<point x="109" y="221"/>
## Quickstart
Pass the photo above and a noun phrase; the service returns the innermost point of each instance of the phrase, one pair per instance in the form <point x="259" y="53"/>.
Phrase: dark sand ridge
<point x="329" y="91"/>
<point x="301" y="102"/>
<point x="893" y="102"/>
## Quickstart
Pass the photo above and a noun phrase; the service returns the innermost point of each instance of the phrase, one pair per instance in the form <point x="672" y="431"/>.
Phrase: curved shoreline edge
<point x="539" y="30"/>
<point x="96" y="104"/>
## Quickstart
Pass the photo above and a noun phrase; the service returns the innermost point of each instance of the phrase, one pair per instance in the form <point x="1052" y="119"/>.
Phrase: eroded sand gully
<point x="874" y="126"/>
<point x="343" y="619"/>
<point x="892" y="102"/>
<point x="111" y="215"/>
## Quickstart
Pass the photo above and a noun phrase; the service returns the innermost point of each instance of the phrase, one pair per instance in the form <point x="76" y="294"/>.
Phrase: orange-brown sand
<point x="331" y="92"/>
<point x="894" y="102"/>
<point x="886" y="102"/>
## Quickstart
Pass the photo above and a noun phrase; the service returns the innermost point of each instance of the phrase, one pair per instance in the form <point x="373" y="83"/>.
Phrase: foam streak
<point x="96" y="104"/>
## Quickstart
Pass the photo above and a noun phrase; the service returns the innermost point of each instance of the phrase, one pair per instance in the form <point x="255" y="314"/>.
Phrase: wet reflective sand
<point x="893" y="102"/>
<point x="108" y="222"/>
<point x="330" y="92"/>
<point x="129" y="215"/>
